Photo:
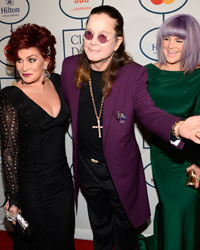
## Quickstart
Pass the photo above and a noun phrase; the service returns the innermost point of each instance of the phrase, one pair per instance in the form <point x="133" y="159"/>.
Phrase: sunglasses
<point x="101" y="37"/>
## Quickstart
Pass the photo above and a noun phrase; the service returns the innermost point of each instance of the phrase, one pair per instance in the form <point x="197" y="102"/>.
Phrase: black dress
<point x="37" y="176"/>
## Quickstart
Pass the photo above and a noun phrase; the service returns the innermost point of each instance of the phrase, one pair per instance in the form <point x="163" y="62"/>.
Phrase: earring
<point x="46" y="75"/>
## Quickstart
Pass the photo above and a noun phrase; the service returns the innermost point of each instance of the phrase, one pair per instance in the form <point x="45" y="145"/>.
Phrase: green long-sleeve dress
<point x="177" y="216"/>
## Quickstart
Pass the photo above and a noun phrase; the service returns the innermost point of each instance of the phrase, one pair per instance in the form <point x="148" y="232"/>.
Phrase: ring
<point x="7" y="213"/>
<point x="197" y="134"/>
<point x="9" y="217"/>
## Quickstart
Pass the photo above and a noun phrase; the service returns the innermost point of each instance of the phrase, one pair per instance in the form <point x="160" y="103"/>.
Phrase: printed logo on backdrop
<point x="76" y="9"/>
<point x="161" y="7"/>
<point x="13" y="11"/>
<point x="3" y="43"/>
<point x="72" y="41"/>
<point x="10" y="2"/>
<point x="79" y="9"/>
<point x="148" y="175"/>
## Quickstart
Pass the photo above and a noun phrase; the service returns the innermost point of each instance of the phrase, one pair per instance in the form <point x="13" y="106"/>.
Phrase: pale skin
<point x="31" y="67"/>
<point x="172" y="47"/>
<point x="100" y="55"/>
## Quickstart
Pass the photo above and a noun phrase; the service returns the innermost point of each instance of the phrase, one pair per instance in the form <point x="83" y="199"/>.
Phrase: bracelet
<point x="174" y="128"/>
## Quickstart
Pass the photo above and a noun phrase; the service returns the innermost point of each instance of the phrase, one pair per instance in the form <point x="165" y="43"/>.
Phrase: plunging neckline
<point x="36" y="104"/>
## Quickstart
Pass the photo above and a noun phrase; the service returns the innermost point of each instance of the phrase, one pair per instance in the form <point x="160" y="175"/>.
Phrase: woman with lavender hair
<point x="174" y="86"/>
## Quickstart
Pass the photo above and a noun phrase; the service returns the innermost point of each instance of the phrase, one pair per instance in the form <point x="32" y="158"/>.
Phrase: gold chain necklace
<point x="98" y="117"/>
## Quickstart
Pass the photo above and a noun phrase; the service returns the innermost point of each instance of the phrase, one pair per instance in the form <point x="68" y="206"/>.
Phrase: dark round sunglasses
<point x="101" y="37"/>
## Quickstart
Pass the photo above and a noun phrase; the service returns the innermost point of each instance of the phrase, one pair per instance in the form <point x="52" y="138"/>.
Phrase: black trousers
<point x="109" y="222"/>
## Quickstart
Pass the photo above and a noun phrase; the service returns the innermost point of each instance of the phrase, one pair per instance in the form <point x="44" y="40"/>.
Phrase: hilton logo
<point x="9" y="10"/>
<point x="9" y="2"/>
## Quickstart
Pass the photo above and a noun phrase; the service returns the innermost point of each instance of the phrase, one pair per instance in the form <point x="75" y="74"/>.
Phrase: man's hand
<point x="190" y="129"/>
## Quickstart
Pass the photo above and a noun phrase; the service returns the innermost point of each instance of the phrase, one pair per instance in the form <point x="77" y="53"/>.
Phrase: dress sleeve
<point x="9" y="148"/>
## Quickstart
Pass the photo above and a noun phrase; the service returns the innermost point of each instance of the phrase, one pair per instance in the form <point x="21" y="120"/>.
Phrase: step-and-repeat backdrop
<point x="66" y="19"/>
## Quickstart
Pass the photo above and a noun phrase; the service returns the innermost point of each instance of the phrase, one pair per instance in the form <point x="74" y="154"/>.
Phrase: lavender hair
<point x="187" y="28"/>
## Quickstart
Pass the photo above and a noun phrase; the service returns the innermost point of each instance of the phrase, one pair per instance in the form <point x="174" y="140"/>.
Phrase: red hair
<point x="32" y="35"/>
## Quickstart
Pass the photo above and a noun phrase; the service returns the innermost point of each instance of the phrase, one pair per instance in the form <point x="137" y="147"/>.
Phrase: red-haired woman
<point x="33" y="118"/>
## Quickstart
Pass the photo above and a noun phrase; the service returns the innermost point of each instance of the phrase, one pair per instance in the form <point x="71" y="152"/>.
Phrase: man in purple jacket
<point x="105" y="91"/>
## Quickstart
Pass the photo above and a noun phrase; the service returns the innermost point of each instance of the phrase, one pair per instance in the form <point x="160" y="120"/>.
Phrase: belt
<point x="96" y="161"/>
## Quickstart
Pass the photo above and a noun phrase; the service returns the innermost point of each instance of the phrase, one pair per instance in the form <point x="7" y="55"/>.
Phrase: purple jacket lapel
<point x="108" y="108"/>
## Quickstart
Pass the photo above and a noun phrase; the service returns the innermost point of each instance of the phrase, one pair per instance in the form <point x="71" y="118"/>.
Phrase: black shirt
<point x="89" y="142"/>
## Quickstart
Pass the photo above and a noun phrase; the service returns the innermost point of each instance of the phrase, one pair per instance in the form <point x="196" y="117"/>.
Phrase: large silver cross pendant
<point x="98" y="127"/>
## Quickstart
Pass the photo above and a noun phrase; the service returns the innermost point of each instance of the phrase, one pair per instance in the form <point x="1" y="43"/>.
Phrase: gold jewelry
<point x="196" y="134"/>
<point x="174" y="128"/>
<point x="98" y="117"/>
<point x="94" y="161"/>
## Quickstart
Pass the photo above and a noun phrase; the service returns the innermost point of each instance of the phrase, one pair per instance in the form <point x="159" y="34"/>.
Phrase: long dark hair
<point x="119" y="58"/>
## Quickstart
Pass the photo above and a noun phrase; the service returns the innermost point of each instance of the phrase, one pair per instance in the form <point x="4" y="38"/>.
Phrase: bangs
<point x="185" y="27"/>
<point x="175" y="29"/>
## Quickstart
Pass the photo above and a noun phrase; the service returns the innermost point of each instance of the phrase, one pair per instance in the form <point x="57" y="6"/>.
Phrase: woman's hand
<point x="11" y="212"/>
<point x="196" y="169"/>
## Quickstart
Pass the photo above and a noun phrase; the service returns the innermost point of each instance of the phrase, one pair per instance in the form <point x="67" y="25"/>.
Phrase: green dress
<point x="177" y="216"/>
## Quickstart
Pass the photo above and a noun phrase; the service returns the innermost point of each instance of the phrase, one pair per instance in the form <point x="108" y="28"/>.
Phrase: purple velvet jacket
<point x="129" y="96"/>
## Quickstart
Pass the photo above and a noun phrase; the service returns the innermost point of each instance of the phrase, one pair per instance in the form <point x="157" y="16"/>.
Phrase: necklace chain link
<point x="98" y="117"/>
